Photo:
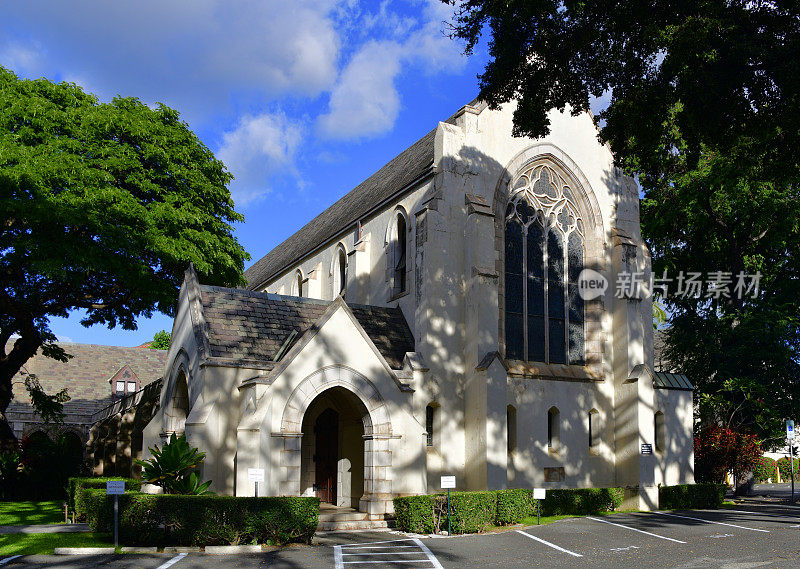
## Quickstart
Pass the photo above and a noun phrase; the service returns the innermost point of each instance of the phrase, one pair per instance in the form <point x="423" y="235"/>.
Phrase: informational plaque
<point x="538" y="493"/>
<point x="647" y="448"/>
<point x="115" y="487"/>
<point x="255" y="474"/>
<point x="448" y="482"/>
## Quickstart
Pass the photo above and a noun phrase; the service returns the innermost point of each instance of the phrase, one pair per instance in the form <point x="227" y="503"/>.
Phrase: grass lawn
<point x="43" y="543"/>
<point x="29" y="513"/>
<point x="531" y="521"/>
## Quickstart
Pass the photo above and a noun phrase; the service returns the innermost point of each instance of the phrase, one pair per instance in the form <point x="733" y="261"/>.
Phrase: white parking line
<point x="172" y="561"/>
<point x="711" y="522"/>
<point x="9" y="559"/>
<point x="363" y="550"/>
<point x="634" y="529"/>
<point x="761" y="514"/>
<point x="547" y="543"/>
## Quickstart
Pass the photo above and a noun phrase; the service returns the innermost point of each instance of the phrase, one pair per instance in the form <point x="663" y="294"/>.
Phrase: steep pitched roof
<point x="243" y="324"/>
<point x="408" y="167"/>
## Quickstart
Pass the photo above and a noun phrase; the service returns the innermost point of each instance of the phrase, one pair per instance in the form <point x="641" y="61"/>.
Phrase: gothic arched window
<point x="297" y="284"/>
<point x="339" y="272"/>
<point x="396" y="258"/>
<point x="544" y="314"/>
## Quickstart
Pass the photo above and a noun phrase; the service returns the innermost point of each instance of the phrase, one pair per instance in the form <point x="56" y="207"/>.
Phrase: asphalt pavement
<point x="740" y="538"/>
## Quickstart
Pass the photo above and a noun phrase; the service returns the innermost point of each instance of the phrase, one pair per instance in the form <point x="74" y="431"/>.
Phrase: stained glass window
<point x="544" y="314"/>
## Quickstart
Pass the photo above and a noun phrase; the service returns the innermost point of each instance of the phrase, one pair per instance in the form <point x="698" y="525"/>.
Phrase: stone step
<point x="355" y="525"/>
<point x="342" y="516"/>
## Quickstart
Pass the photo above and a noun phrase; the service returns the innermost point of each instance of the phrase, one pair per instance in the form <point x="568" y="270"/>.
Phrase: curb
<point x="231" y="549"/>
<point x="139" y="549"/>
<point x="83" y="551"/>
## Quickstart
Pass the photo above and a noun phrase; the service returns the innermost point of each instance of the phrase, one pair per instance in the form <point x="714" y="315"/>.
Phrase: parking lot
<point x="740" y="538"/>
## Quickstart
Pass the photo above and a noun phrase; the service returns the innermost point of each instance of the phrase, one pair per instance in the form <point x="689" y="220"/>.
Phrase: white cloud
<point x="365" y="101"/>
<point x="191" y="55"/>
<point x="15" y="55"/>
<point x="260" y="148"/>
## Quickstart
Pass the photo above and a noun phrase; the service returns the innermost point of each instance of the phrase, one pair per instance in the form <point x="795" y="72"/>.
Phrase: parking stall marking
<point x="634" y="529"/>
<point x="172" y="561"/>
<point x="711" y="522"/>
<point x="547" y="543"/>
<point x="9" y="559"/>
<point x="783" y="517"/>
<point x="343" y="554"/>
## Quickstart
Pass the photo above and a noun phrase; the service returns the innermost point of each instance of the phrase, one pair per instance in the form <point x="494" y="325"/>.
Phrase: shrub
<point x="513" y="506"/>
<point x="785" y="468"/>
<point x="173" y="467"/>
<point x="171" y="519"/>
<point x="581" y="501"/>
<point x="415" y="514"/>
<point x="764" y="469"/>
<point x="74" y="485"/>
<point x="472" y="512"/>
<point x="718" y="450"/>
<point x="691" y="496"/>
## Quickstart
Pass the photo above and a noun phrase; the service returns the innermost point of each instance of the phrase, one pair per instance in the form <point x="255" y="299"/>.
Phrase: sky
<point x="301" y="99"/>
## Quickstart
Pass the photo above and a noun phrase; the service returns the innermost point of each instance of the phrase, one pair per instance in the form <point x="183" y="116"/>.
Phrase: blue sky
<point x="301" y="99"/>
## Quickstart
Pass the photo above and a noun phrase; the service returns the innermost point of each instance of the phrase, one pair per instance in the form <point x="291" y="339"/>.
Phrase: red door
<point x="326" y="457"/>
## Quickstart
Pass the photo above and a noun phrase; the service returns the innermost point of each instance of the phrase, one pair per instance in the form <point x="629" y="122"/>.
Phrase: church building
<point x="435" y="321"/>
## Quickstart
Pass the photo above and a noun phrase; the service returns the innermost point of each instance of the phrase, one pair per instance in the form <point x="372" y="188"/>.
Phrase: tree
<point x="702" y="109"/>
<point x="718" y="450"/>
<point x="102" y="208"/>
<point x="161" y="340"/>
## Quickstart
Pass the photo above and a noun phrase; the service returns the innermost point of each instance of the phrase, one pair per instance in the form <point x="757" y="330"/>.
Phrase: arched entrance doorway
<point x="332" y="458"/>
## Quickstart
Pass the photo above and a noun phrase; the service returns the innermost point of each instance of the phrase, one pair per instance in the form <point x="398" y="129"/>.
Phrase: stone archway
<point x="353" y="393"/>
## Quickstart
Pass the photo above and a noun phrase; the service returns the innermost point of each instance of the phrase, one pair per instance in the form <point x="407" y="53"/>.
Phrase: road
<point x="741" y="538"/>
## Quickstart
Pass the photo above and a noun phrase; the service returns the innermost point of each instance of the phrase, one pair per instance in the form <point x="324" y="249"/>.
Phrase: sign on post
<point x="255" y="475"/>
<point x="790" y="429"/>
<point x="790" y="439"/>
<point x="448" y="482"/>
<point x="538" y="495"/>
<point x="115" y="488"/>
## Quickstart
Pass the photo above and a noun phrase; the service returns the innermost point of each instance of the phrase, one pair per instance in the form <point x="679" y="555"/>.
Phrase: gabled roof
<point x="409" y="167"/>
<point x="669" y="380"/>
<point x="247" y="325"/>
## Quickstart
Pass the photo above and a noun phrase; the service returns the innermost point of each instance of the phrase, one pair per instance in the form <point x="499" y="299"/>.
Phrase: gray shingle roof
<point x="410" y="165"/>
<point x="249" y="325"/>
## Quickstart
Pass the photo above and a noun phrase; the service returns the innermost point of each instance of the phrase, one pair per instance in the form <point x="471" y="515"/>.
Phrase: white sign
<point x="538" y="493"/>
<point x="115" y="487"/>
<point x="790" y="429"/>
<point x="647" y="448"/>
<point x="255" y="474"/>
<point x="448" y="482"/>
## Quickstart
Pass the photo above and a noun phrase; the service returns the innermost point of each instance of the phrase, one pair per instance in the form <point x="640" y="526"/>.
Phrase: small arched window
<point x="339" y="272"/>
<point x="661" y="438"/>
<point x="594" y="429"/>
<point x="544" y="314"/>
<point x="511" y="429"/>
<point x="297" y="284"/>
<point x="398" y="255"/>
<point x="553" y="428"/>
<point x="430" y="413"/>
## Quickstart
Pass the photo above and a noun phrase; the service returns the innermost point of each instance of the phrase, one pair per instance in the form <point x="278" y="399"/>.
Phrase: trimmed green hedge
<point x="74" y="485"/>
<point x="691" y="496"/>
<point x="170" y="519"/>
<point x="581" y="501"/>
<point x="473" y="512"/>
<point x="785" y="468"/>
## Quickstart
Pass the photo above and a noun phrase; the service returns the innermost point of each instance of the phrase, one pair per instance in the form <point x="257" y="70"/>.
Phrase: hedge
<point x="785" y="468"/>
<point x="473" y="512"/>
<point x="691" y="496"/>
<point x="170" y="519"/>
<point x="74" y="485"/>
<point x="764" y="469"/>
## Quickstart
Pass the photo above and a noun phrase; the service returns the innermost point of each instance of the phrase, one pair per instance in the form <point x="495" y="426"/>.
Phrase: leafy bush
<point x="173" y="467"/>
<point x="581" y="501"/>
<point x="170" y="519"/>
<point x="476" y="511"/>
<point x="691" y="496"/>
<point x="764" y="469"/>
<point x="472" y="512"/>
<point x="415" y="514"/>
<point x="10" y="463"/>
<point x="718" y="450"/>
<point x="74" y="486"/>
<point x="513" y="506"/>
<point x="785" y="468"/>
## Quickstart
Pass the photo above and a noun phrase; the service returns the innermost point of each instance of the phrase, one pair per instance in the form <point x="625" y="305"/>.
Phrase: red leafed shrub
<point x="764" y="469"/>
<point x="718" y="450"/>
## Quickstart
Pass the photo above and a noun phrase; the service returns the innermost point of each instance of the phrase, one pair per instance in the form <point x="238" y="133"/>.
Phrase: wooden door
<point x="326" y="456"/>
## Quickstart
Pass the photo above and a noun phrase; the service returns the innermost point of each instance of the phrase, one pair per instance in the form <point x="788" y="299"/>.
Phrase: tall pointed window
<point x="544" y="314"/>
<point x="297" y="284"/>
<point x="339" y="273"/>
<point x="399" y="256"/>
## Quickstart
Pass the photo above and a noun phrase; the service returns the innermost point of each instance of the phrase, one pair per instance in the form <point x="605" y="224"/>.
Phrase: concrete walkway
<point x="46" y="528"/>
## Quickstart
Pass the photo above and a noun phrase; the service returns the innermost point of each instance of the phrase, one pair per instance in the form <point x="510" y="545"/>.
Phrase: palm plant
<point x="173" y="467"/>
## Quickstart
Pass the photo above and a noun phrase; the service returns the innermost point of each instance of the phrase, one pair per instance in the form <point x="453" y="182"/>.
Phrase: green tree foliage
<point x="161" y="340"/>
<point x="173" y="467"/>
<point x="102" y="208"/>
<point x="703" y="98"/>
<point x="50" y="408"/>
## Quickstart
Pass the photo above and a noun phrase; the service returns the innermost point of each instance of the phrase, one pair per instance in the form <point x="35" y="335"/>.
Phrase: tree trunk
<point x="24" y="349"/>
